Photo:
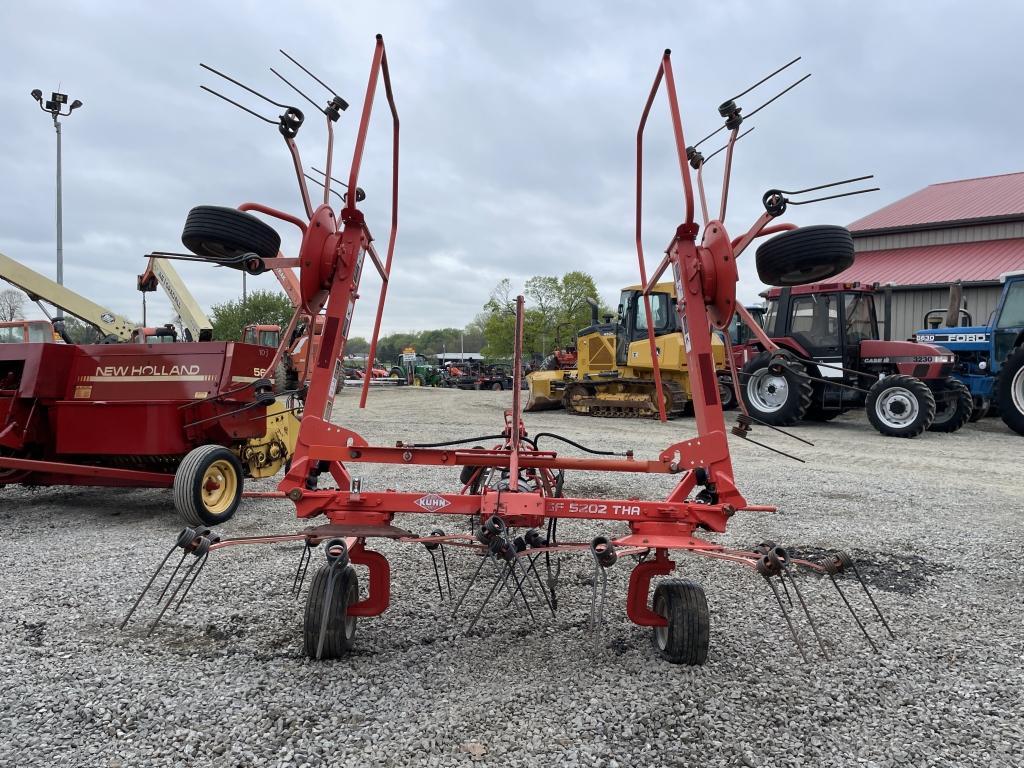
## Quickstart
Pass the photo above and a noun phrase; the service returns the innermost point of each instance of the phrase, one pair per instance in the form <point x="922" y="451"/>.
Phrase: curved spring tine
<point x="173" y="574"/>
<point x="867" y="592"/>
<point x="470" y="584"/>
<point x="448" y="581"/>
<point x="167" y="603"/>
<point x="501" y="577"/>
<point x="789" y="621"/>
<point x="437" y="574"/>
<point x="300" y="572"/>
<point x="810" y="619"/>
<point x="195" y="576"/>
<point x="149" y="584"/>
<point x="853" y="613"/>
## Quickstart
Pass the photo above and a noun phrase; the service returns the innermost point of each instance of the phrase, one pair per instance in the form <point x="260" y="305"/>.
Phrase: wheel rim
<point x="1017" y="390"/>
<point x="660" y="633"/>
<point x="767" y="391"/>
<point x="219" y="486"/>
<point x="897" y="407"/>
<point x="945" y="410"/>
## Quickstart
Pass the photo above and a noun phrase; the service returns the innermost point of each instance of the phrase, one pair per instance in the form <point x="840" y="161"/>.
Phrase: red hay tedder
<point x="515" y="485"/>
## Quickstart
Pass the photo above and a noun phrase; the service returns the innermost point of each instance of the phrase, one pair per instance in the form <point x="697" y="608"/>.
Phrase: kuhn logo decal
<point x="432" y="502"/>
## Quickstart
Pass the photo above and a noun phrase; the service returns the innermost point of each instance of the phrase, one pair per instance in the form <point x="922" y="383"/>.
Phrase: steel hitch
<point x="191" y="541"/>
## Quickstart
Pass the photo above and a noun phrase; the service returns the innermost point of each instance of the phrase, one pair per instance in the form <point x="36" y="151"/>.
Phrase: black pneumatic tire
<point x="198" y="506"/>
<point x="341" y="628"/>
<point x="805" y="255"/>
<point x="686" y="638"/>
<point x="909" y="392"/>
<point x="726" y="392"/>
<point x="956" y="408"/>
<point x="760" y="387"/>
<point x="217" y="233"/>
<point x="1010" y="391"/>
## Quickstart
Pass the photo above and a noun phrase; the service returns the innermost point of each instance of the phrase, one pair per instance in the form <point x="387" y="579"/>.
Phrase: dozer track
<point x="623" y="398"/>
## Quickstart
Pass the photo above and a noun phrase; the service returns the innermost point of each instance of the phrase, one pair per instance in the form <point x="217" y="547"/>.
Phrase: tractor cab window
<point x="12" y="334"/>
<point x="270" y="338"/>
<point x="249" y="337"/>
<point x="860" y="317"/>
<point x="1012" y="315"/>
<point x="661" y="313"/>
<point x="814" y="320"/>
<point x="769" y="317"/>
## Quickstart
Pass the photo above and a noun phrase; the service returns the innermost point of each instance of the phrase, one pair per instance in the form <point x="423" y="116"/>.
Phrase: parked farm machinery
<point x="820" y="354"/>
<point x="989" y="358"/>
<point x="515" y="489"/>
<point x="198" y="418"/>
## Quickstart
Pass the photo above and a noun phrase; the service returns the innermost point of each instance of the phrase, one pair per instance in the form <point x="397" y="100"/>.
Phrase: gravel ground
<point x="935" y="523"/>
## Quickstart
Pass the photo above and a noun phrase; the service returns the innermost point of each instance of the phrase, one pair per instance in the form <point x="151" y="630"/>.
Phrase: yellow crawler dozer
<point x="614" y="375"/>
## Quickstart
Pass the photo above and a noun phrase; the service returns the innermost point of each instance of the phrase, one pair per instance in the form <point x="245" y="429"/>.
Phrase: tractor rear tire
<point x="727" y="392"/>
<point x="805" y="255"/>
<point x="982" y="405"/>
<point x="686" y="638"/>
<point x="778" y="399"/>
<point x="208" y="486"/>
<point x="900" y="406"/>
<point x="218" y="233"/>
<point x="341" y="628"/>
<point x="956" y="408"/>
<point x="1010" y="391"/>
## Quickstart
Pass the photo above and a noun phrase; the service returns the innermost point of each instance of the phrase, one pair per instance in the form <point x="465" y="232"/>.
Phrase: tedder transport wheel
<point x="341" y="628"/>
<point x="1010" y="391"/>
<point x="805" y="255"/>
<point x="208" y="485"/>
<point x="955" y="408"/>
<point x="219" y="233"/>
<point x="900" y="406"/>
<point x="685" y="640"/>
<point x="779" y="399"/>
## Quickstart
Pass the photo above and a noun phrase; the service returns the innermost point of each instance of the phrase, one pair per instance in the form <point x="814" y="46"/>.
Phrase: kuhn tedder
<point x="512" y="491"/>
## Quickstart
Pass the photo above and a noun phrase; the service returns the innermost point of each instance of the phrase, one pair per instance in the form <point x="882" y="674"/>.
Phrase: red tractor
<point x="830" y="359"/>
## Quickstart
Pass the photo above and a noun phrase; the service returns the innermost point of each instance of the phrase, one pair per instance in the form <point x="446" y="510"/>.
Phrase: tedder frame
<point x="514" y="485"/>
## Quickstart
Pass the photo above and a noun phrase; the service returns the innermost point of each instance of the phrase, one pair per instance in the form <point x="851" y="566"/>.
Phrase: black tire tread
<point x="1013" y="418"/>
<point x="233" y="229"/>
<point x="963" y="412"/>
<point x="805" y="255"/>
<point x="689" y="630"/>
<point x="792" y="412"/>
<point x="918" y="388"/>
<point x="346" y="586"/>
<point x="186" y="501"/>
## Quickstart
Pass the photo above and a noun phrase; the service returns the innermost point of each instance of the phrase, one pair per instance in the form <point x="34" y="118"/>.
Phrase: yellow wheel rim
<point x="220" y="482"/>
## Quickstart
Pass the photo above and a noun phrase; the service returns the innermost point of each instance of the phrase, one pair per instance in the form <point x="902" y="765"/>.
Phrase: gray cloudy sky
<point x="518" y="127"/>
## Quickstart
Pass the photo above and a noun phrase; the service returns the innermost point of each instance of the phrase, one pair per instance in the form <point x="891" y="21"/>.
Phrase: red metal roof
<point x="983" y="198"/>
<point x="926" y="264"/>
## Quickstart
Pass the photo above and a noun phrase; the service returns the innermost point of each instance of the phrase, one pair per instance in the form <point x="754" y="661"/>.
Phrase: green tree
<point x="556" y="308"/>
<point x="357" y="345"/>
<point x="259" y="307"/>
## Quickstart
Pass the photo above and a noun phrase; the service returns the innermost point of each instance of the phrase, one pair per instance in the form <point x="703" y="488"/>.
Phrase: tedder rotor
<point x="513" y="492"/>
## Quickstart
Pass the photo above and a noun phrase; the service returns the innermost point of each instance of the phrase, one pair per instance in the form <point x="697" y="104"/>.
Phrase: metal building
<point x="970" y="230"/>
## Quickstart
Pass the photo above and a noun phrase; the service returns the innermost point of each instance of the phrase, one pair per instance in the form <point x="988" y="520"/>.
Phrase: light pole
<point x="54" y="106"/>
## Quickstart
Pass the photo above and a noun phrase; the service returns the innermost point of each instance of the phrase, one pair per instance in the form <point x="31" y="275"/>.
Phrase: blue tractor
<point x="989" y="358"/>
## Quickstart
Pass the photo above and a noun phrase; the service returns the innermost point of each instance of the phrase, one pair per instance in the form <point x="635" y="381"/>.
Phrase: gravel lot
<point x="934" y="522"/>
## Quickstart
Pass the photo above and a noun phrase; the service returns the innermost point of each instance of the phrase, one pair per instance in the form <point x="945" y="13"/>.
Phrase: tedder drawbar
<point x="514" y="492"/>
